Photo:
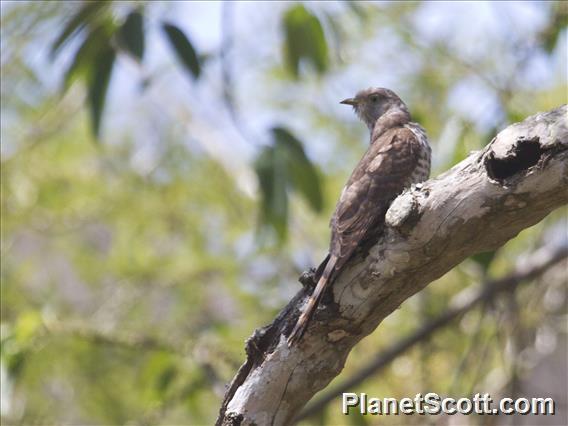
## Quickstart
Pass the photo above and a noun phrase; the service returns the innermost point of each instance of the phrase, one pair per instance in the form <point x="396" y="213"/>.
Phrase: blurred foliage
<point x="281" y="167"/>
<point x="305" y="40"/>
<point x="183" y="48"/>
<point x="131" y="268"/>
<point x="131" y="35"/>
<point x="558" y="23"/>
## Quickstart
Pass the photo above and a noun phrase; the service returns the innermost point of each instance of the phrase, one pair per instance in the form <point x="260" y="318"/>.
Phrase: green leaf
<point x="15" y="362"/>
<point x="165" y="379"/>
<point x="85" y="15"/>
<point x="130" y="36"/>
<point x="270" y="168"/>
<point x="484" y="260"/>
<point x="85" y="58"/>
<point x="558" y="22"/>
<point x="183" y="48"/>
<point x="303" y="174"/>
<point x="304" y="40"/>
<point x="93" y="61"/>
<point x="98" y="85"/>
<point x="281" y="167"/>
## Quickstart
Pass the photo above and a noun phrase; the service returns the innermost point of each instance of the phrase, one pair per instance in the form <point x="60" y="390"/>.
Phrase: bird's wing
<point x="379" y="177"/>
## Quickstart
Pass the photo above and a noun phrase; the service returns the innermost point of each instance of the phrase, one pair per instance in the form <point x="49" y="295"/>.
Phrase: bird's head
<point x="370" y="104"/>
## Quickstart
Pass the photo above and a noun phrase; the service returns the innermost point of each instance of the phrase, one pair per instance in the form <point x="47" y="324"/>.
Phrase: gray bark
<point x="476" y="206"/>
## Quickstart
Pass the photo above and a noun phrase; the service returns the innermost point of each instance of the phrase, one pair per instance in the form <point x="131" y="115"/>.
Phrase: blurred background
<point x="169" y="169"/>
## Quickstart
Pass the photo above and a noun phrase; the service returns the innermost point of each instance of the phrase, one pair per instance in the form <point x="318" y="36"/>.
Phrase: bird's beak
<point x="349" y="101"/>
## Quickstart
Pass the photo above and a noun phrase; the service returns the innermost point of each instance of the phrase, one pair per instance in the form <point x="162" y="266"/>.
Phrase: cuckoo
<point x="398" y="156"/>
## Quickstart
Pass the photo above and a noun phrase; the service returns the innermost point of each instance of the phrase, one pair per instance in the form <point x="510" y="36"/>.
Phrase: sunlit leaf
<point x="304" y="40"/>
<point x="130" y="36"/>
<point x="27" y="326"/>
<point x="85" y="15"/>
<point x="303" y="174"/>
<point x="183" y="48"/>
<point x="98" y="85"/>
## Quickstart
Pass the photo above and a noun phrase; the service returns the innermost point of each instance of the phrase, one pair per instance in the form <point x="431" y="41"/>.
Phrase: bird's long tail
<point x="316" y="296"/>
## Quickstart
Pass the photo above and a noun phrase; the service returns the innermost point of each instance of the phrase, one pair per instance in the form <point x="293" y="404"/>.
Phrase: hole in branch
<point x="524" y="155"/>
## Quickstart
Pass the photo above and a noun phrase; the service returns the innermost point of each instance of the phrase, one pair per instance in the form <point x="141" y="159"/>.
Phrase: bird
<point x="399" y="155"/>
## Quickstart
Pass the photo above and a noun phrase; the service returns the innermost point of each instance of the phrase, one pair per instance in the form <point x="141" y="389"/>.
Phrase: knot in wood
<point x="403" y="213"/>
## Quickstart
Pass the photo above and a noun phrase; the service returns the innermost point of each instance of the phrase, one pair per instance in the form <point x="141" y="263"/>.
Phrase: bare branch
<point x="478" y="205"/>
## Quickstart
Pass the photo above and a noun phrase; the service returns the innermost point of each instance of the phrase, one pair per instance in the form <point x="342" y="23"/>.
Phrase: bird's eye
<point x="374" y="98"/>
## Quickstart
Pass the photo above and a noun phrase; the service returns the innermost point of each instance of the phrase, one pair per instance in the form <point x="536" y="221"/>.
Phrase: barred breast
<point x="422" y="170"/>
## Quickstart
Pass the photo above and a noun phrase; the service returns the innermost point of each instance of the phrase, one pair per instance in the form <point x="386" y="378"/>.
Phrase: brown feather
<point x="312" y="304"/>
<point x="399" y="155"/>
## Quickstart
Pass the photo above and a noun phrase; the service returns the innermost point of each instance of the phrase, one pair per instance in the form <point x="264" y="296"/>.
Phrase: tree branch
<point x="478" y="205"/>
<point x="540" y="262"/>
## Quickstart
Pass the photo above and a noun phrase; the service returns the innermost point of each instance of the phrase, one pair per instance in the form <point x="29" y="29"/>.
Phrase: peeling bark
<point x="478" y="205"/>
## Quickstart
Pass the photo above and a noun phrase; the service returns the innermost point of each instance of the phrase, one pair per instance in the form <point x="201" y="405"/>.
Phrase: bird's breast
<point x="422" y="170"/>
